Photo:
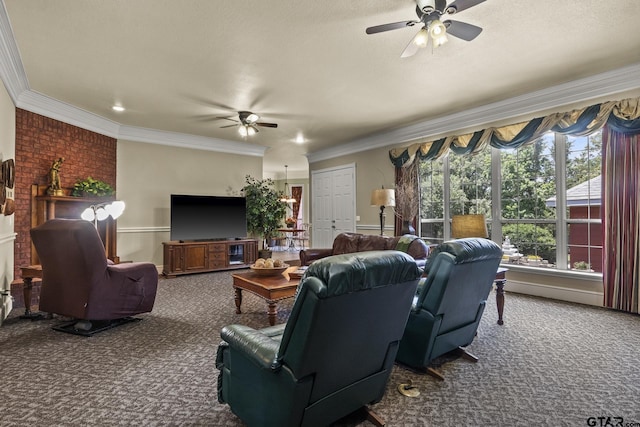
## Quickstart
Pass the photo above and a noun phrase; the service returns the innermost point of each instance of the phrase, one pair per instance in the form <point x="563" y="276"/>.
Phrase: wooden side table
<point x="29" y="273"/>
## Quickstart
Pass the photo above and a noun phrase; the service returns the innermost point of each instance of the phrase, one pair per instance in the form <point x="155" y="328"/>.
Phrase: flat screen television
<point x="200" y="218"/>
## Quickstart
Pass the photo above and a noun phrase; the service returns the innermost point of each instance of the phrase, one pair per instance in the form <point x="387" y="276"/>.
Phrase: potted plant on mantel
<point x="91" y="187"/>
<point x="265" y="210"/>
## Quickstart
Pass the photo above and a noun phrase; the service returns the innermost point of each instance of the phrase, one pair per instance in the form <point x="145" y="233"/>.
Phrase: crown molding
<point x="11" y="70"/>
<point x="15" y="80"/>
<point x="174" y="139"/>
<point x="49" y="107"/>
<point x="599" y="85"/>
<point x="41" y="104"/>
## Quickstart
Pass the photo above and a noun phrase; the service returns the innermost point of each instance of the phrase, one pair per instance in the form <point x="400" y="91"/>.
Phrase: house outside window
<point x="517" y="191"/>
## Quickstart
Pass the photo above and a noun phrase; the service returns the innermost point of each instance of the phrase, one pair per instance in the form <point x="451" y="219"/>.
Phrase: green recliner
<point x="336" y="351"/>
<point x="450" y="301"/>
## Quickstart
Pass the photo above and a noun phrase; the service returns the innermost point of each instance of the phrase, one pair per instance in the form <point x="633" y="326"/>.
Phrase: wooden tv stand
<point x="200" y="257"/>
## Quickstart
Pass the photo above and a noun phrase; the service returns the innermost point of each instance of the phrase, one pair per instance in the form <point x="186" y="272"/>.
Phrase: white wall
<point x="7" y="234"/>
<point x="147" y="174"/>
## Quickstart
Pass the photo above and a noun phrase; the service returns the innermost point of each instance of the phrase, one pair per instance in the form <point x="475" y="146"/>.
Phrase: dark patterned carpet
<point x="551" y="364"/>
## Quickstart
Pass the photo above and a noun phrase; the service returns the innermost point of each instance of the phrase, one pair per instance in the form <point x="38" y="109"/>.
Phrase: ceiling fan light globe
<point x="242" y="130"/>
<point x="422" y="38"/>
<point x="438" y="33"/>
<point x="251" y="130"/>
<point x="437" y="28"/>
<point x="252" y="118"/>
<point x="440" y="40"/>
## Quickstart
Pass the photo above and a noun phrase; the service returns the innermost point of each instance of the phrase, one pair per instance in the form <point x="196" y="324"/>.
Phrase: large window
<point x="582" y="207"/>
<point x="544" y="198"/>
<point x="528" y="181"/>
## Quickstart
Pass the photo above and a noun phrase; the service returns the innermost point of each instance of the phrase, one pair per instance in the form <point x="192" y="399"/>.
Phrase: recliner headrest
<point x="363" y="270"/>
<point x="469" y="249"/>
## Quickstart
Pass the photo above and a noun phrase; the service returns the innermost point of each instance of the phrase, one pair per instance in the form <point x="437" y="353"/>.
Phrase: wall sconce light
<point x="383" y="197"/>
<point x="102" y="211"/>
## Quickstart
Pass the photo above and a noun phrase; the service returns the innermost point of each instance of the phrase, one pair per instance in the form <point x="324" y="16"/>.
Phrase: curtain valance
<point x="622" y="116"/>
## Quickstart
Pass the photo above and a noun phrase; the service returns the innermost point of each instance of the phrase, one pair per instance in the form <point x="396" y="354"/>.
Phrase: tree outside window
<point x="529" y="181"/>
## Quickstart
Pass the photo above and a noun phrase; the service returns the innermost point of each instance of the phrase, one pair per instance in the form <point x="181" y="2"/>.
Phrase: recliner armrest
<point x="253" y="344"/>
<point x="307" y="256"/>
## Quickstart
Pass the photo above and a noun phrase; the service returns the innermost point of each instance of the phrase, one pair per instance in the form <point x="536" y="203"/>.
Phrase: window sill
<point x="545" y="271"/>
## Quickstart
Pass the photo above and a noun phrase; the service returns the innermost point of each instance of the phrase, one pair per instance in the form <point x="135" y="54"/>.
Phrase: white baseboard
<point x="555" y="292"/>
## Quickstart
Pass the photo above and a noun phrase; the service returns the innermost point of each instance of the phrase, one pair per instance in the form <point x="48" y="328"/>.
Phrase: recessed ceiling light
<point x="118" y="108"/>
<point x="300" y="139"/>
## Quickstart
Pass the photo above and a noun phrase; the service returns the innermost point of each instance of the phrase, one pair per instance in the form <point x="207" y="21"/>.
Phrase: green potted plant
<point x="265" y="210"/>
<point x="91" y="187"/>
<point x="581" y="265"/>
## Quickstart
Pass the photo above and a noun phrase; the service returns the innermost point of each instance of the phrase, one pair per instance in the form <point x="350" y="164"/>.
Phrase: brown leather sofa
<point x="346" y="243"/>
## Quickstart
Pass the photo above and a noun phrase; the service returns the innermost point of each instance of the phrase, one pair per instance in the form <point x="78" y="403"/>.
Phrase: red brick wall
<point x="41" y="140"/>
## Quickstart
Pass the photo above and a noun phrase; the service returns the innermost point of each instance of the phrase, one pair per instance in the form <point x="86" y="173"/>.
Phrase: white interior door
<point x="333" y="205"/>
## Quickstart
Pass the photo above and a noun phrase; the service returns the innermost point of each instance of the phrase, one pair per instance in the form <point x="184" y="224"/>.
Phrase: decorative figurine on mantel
<point x="54" y="178"/>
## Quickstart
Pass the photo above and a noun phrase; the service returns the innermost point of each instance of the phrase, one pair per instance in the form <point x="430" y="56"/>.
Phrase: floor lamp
<point x="383" y="197"/>
<point x="102" y="211"/>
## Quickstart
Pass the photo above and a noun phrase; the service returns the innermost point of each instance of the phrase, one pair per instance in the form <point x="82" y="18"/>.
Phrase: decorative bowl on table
<point x="268" y="271"/>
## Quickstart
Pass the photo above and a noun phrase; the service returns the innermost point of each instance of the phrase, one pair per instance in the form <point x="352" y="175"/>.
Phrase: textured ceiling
<point x="306" y="65"/>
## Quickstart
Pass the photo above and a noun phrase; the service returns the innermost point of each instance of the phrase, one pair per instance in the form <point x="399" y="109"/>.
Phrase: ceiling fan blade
<point x="411" y="48"/>
<point x="461" y="5"/>
<point x="389" y="27"/>
<point x="441" y="5"/>
<point x="227" y="118"/>
<point x="266" y="125"/>
<point x="228" y="126"/>
<point x="462" y="30"/>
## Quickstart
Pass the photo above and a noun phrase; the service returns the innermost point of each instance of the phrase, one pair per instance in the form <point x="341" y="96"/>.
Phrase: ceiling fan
<point x="429" y="14"/>
<point x="248" y="123"/>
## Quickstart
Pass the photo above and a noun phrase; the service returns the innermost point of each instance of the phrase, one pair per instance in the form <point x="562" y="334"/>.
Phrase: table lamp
<point x="473" y="225"/>
<point x="383" y="197"/>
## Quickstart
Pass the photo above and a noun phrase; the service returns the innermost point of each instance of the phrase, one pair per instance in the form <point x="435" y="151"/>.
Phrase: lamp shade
<point x="383" y="197"/>
<point x="468" y="226"/>
<point x="88" y="214"/>
<point x="115" y="209"/>
<point x="102" y="211"/>
<point x="102" y="214"/>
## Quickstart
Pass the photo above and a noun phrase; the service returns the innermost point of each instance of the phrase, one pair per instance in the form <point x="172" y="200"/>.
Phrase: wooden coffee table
<point x="270" y="288"/>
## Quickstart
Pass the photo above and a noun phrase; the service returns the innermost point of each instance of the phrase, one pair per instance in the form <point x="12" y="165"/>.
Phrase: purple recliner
<point x="79" y="282"/>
